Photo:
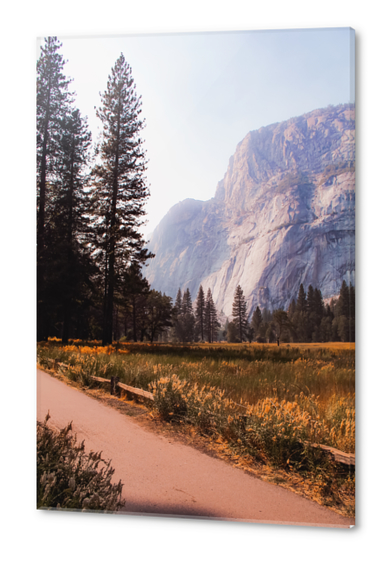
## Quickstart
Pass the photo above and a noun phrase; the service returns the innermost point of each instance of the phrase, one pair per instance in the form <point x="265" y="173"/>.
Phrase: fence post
<point x="113" y="385"/>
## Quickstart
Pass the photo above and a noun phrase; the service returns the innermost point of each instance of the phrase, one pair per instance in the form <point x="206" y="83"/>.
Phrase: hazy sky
<point x="203" y="92"/>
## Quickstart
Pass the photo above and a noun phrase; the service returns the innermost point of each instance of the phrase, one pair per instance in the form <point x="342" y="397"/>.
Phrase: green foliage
<point x="312" y="321"/>
<point x="158" y="313"/>
<point x="52" y="104"/>
<point x="256" y="322"/>
<point x="120" y="189"/>
<point x="211" y="319"/>
<point x="69" y="478"/>
<point x="239" y="312"/>
<point x="200" y="314"/>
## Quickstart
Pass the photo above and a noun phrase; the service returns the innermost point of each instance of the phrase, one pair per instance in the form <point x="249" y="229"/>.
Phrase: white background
<point x="26" y="533"/>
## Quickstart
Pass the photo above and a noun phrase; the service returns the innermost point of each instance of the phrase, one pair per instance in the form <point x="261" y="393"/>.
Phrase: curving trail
<point x="167" y="478"/>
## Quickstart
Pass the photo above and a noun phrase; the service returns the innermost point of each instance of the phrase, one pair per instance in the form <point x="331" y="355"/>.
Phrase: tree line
<point x="308" y="319"/>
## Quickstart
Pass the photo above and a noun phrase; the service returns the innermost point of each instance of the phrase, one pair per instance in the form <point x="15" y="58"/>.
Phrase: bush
<point x="169" y="399"/>
<point x="68" y="478"/>
<point x="272" y="430"/>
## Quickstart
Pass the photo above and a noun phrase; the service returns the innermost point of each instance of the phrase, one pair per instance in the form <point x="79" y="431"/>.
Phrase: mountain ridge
<point x="282" y="215"/>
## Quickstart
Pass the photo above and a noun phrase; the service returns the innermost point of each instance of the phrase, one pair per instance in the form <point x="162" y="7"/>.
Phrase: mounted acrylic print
<point x="196" y="275"/>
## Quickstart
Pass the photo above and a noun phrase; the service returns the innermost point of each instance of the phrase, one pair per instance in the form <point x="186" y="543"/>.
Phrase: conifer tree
<point x="310" y="300"/>
<point x="120" y="188"/>
<point x="200" y="313"/>
<point x="52" y="102"/>
<point x="211" y="320"/>
<point x="311" y="313"/>
<point x="352" y="301"/>
<point x="281" y="322"/>
<point x="256" y="322"/>
<point x="291" y="309"/>
<point x="239" y="312"/>
<point x="159" y="310"/>
<point x="178" y="303"/>
<point x="301" y="303"/>
<point x="342" y="306"/>
<point x="188" y="319"/>
<point x="177" y="317"/>
<point x="187" y="304"/>
<point x="135" y="289"/>
<point x="69" y="258"/>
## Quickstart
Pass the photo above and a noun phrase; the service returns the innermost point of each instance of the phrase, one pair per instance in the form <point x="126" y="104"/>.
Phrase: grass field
<point x="268" y="402"/>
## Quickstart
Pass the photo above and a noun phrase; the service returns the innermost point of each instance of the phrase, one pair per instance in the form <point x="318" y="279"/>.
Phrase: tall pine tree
<point x="120" y="187"/>
<point x="211" y="319"/>
<point x="239" y="312"/>
<point x="256" y="322"/>
<point x="70" y="261"/>
<point x="52" y="103"/>
<point x="188" y="319"/>
<point x="200" y="314"/>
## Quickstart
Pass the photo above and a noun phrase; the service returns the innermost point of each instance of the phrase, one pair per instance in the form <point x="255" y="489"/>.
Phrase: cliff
<point x="284" y="214"/>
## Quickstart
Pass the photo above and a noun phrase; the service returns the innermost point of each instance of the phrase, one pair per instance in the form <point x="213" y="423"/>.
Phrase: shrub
<point x="68" y="478"/>
<point x="272" y="430"/>
<point x="168" y="397"/>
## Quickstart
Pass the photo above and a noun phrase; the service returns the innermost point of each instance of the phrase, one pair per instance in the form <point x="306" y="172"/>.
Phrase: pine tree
<point x="188" y="319"/>
<point x="239" y="312"/>
<point x="281" y="322"/>
<point x="311" y="313"/>
<point x="69" y="258"/>
<point x="352" y="301"/>
<point x="52" y="102"/>
<point x="159" y="311"/>
<point x="178" y="303"/>
<point x="177" y="317"/>
<point x="319" y="304"/>
<point x="200" y="313"/>
<point x="211" y="320"/>
<point x="344" y="312"/>
<point x="342" y="307"/>
<point x="120" y="188"/>
<point x="187" y="305"/>
<point x="292" y="308"/>
<point x="135" y="289"/>
<point x="301" y="303"/>
<point x="310" y="300"/>
<point x="300" y="318"/>
<point x="256" y="322"/>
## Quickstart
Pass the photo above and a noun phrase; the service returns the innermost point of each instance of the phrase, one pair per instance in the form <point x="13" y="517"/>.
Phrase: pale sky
<point x="203" y="92"/>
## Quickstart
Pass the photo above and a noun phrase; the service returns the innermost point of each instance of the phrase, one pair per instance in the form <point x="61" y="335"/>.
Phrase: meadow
<point x="266" y="402"/>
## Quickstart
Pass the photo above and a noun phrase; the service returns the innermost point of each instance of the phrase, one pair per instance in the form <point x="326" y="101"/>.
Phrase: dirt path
<point x="162" y="476"/>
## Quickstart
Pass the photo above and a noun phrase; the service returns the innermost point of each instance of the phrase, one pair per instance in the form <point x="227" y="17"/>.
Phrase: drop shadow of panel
<point x="186" y="512"/>
<point x="161" y="509"/>
<point x="147" y="509"/>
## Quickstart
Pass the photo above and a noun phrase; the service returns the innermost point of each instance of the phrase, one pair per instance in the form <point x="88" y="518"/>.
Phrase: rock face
<point x="284" y="214"/>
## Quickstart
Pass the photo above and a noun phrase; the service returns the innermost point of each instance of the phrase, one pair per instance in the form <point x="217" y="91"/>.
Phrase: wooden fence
<point x="338" y="456"/>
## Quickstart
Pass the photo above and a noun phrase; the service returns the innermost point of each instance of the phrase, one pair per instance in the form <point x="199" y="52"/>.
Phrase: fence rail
<point x="338" y="456"/>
